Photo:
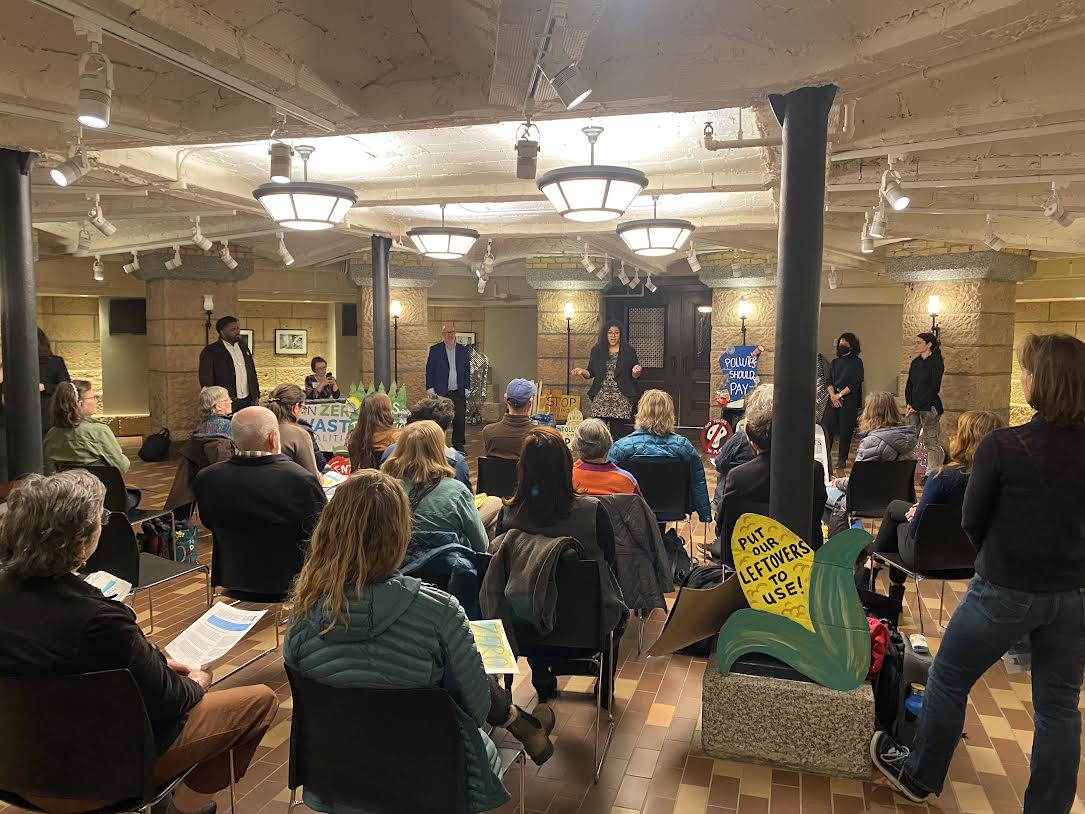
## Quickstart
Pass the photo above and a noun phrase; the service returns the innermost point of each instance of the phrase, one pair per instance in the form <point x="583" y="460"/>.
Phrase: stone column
<point x="750" y="277"/>
<point x="411" y="277"/>
<point x="976" y="287"/>
<point x="558" y="281"/>
<point x="176" y="332"/>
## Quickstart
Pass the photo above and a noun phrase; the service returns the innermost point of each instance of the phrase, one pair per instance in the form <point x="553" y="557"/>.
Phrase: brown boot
<point x="532" y="732"/>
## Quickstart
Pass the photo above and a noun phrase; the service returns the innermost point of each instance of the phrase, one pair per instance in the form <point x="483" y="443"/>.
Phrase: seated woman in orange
<point x="593" y="474"/>
<point x="372" y="434"/>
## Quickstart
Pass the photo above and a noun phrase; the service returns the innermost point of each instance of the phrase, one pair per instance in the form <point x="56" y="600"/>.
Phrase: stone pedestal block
<point x="790" y="724"/>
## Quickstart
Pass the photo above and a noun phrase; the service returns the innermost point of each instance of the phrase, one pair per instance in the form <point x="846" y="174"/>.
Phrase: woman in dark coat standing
<point x="51" y="372"/>
<point x="921" y="394"/>
<point x="614" y="366"/>
<point x="845" y="387"/>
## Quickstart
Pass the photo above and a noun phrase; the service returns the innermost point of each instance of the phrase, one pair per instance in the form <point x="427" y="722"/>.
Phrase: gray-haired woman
<point x="52" y="623"/>
<point x="215" y="406"/>
<point x="593" y="474"/>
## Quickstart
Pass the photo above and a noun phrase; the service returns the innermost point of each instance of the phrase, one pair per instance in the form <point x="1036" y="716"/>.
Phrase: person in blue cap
<point x="504" y="438"/>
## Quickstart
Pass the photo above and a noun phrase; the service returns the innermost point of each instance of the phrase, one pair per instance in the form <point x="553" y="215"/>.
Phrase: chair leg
<point x="941" y="604"/>
<point x="598" y="756"/>
<point x="919" y="604"/>
<point x="150" y="605"/>
<point x="523" y="784"/>
<point x="232" y="779"/>
<point x="207" y="580"/>
<point x="293" y="801"/>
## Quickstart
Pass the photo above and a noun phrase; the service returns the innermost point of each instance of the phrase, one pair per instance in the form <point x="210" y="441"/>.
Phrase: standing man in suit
<point x="448" y="373"/>
<point x="228" y="363"/>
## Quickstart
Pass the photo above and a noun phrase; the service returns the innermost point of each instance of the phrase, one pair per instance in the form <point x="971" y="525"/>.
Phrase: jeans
<point x="987" y="623"/>
<point x="926" y="421"/>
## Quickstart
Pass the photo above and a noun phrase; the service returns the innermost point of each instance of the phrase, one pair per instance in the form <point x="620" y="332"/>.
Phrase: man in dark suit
<point x="228" y="363"/>
<point x="448" y="373"/>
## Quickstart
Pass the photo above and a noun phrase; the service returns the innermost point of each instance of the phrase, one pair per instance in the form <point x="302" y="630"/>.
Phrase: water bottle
<point x="913" y="704"/>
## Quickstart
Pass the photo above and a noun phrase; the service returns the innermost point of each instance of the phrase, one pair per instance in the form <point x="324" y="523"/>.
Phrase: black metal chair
<point x="942" y="551"/>
<point x="118" y="554"/>
<point x="336" y="730"/>
<point x="665" y="485"/>
<point x="79" y="737"/>
<point x="577" y="633"/>
<point x="116" y="494"/>
<point x="873" y="485"/>
<point x="497" y="476"/>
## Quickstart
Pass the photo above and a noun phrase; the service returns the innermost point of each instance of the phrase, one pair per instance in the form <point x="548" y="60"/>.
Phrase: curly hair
<point x="49" y="523"/>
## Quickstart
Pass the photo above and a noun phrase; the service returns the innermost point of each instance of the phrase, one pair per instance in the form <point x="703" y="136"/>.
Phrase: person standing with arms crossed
<point x="228" y="363"/>
<point x="924" y="408"/>
<point x="448" y="374"/>
<point x="845" y="388"/>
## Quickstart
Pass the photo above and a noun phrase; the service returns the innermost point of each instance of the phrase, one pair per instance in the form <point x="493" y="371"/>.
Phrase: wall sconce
<point x="745" y="309"/>
<point x="396" y="308"/>
<point x="934" y="308"/>
<point x="208" y="308"/>
<point x="568" y="347"/>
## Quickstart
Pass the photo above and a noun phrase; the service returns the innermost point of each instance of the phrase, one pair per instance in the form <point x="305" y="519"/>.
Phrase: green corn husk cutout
<point x="837" y="654"/>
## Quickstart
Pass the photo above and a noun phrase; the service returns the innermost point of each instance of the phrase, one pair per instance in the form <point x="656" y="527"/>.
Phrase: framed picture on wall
<point x="291" y="342"/>
<point x="248" y="337"/>
<point x="465" y="337"/>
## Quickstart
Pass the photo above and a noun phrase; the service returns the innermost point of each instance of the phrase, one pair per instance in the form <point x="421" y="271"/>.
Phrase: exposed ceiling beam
<point x="116" y="215"/>
<point x="68" y="117"/>
<point x="948" y="183"/>
<point x="961" y="141"/>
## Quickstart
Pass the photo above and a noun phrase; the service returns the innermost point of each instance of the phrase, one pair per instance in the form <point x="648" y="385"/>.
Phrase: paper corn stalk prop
<point x="803" y="610"/>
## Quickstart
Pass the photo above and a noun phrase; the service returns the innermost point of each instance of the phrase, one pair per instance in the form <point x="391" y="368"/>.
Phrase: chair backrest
<point x="359" y="748"/>
<point x="664" y="482"/>
<point x="116" y="497"/>
<point x="497" y="476"/>
<point x="78" y="737"/>
<point x="117" y="552"/>
<point x="941" y="545"/>
<point x="257" y="563"/>
<point x="578" y="621"/>
<point x="873" y="485"/>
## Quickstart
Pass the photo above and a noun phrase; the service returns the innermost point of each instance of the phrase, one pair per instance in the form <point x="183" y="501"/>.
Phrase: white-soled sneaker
<point x="889" y="758"/>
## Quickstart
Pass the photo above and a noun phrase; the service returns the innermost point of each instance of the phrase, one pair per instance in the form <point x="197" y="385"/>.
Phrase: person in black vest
<point x="51" y="372"/>
<point x="924" y="408"/>
<point x="615" y="367"/>
<point x="845" y="387"/>
<point x="228" y="363"/>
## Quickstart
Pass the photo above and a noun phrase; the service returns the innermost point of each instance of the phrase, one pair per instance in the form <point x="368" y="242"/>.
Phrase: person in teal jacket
<point x="357" y="622"/>
<point x="655" y="438"/>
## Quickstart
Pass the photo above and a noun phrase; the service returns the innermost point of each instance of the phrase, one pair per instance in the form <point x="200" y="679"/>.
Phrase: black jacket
<point x="217" y="369"/>
<point x="1024" y="508"/>
<point x="623" y="371"/>
<point x="847" y="371"/>
<point x="51" y="372"/>
<point x="924" y="382"/>
<point x="62" y="626"/>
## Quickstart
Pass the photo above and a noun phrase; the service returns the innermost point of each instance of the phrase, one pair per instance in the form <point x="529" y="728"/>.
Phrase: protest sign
<point x="739" y="367"/>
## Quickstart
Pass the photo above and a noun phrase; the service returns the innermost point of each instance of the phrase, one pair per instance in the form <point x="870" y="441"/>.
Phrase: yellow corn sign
<point x="773" y="566"/>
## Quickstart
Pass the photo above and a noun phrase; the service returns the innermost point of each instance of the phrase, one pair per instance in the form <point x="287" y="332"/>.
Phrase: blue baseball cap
<point x="520" y="391"/>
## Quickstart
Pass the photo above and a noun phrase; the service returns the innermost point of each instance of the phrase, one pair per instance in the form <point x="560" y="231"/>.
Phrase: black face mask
<point x="843" y="350"/>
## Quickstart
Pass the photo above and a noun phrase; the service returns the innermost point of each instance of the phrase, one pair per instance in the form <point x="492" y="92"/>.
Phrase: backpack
<point x="680" y="563"/>
<point x="701" y="576"/>
<point x="888" y="698"/>
<point x="156" y="446"/>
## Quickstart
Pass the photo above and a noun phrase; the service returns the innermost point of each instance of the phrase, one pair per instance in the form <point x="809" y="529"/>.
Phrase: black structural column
<point x="382" y="355"/>
<point x="22" y="404"/>
<point x="804" y="116"/>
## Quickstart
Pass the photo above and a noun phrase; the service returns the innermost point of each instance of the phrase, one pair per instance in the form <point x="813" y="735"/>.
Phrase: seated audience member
<point x="593" y="474"/>
<point x="438" y="501"/>
<point x="76" y="437"/>
<point x="258" y="487"/>
<point x="503" y="438"/>
<point x="373" y="432"/>
<point x="547" y="504"/>
<point x="295" y="442"/>
<point x="208" y="444"/>
<point x="357" y="622"/>
<point x="321" y="384"/>
<point x="946" y="487"/>
<point x="440" y="410"/>
<point x="214" y="416"/>
<point x="53" y="624"/>
<point x="735" y="451"/>
<point x="655" y="438"/>
<point x="749" y="483"/>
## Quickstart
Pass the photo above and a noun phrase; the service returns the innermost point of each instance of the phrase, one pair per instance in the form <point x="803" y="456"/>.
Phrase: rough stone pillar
<point x="750" y="277"/>
<point x="558" y="281"/>
<point x="976" y="287"/>
<point x="411" y="277"/>
<point x="176" y="332"/>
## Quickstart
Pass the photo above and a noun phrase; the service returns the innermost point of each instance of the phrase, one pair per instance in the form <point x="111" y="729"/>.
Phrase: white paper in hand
<point x="493" y="646"/>
<point x="212" y="636"/>
<point x="113" y="587"/>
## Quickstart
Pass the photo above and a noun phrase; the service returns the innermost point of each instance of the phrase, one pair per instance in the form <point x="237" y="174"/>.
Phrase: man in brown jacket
<point x="504" y="438"/>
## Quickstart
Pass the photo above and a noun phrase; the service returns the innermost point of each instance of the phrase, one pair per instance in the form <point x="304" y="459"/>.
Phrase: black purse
<point x="156" y="446"/>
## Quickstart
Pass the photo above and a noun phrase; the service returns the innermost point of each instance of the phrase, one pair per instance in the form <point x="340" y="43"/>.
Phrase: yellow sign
<point x="773" y="566"/>
<point x="558" y="405"/>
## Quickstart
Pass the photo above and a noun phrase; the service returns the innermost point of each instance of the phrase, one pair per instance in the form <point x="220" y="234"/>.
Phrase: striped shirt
<point x="603" y="479"/>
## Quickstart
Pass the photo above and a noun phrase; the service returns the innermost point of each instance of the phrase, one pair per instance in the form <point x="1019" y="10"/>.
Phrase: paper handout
<point x="329" y="480"/>
<point x="493" y="645"/>
<point x="213" y="635"/>
<point x="113" y="587"/>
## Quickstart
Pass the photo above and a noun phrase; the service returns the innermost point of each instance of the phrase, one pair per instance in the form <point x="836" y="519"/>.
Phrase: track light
<point x="198" y="237"/>
<point x="281" y="154"/>
<point x="649" y="284"/>
<point x="99" y="269"/>
<point x="95" y="80"/>
<point x="482" y="283"/>
<point x="604" y="270"/>
<point x="736" y="269"/>
<point x="564" y="75"/>
<point x="879" y="225"/>
<point x="993" y="241"/>
<point x="174" y="262"/>
<point x="226" y="257"/>
<point x="83" y="246"/>
<point x="1053" y="209"/>
<point x="488" y="260"/>
<point x="133" y="266"/>
<point x="893" y="191"/>
<point x="586" y="262"/>
<point x="866" y="242"/>
<point x="834" y="278"/>
<point x="692" y="259"/>
<point x="623" y="278"/>
<point x="527" y="151"/>
<point x="284" y="254"/>
<point x="97" y="218"/>
<point x="635" y="281"/>
<point x="71" y="170"/>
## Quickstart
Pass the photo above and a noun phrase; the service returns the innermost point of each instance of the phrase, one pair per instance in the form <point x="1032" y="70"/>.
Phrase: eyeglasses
<point x="106" y="514"/>
<point x="95" y="397"/>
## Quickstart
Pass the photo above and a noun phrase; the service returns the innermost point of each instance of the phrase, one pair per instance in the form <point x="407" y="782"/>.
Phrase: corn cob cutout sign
<point x="804" y="609"/>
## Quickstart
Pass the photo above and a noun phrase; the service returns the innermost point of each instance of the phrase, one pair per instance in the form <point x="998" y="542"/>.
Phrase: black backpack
<point x="886" y="684"/>
<point x="680" y="563"/>
<point x="156" y="446"/>
<point x="701" y="576"/>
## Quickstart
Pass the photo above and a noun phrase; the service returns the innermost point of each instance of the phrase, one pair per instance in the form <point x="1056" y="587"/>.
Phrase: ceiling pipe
<point x="87" y="190"/>
<point x="912" y="210"/>
<point x="72" y="217"/>
<point x="961" y="141"/>
<point x="948" y="183"/>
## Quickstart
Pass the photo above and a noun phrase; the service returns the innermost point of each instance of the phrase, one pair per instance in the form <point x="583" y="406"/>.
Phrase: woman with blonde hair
<point x="286" y="402"/>
<point x="655" y="438"/>
<point x="438" y="501"/>
<point x="373" y="432"/>
<point x="357" y="622"/>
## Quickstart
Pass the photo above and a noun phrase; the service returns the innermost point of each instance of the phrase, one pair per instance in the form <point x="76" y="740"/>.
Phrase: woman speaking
<point x="614" y="366"/>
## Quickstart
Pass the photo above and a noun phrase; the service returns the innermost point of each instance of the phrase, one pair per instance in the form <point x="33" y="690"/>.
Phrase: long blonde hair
<point x="972" y="426"/>
<point x="880" y="410"/>
<point x="656" y="413"/>
<point x="374" y="416"/>
<point x="419" y="459"/>
<point x="361" y="538"/>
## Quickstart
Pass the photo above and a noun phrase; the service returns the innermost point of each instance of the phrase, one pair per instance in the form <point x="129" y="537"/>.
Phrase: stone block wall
<point x="553" y="364"/>
<point x="263" y="317"/>
<point x="71" y="323"/>
<point x="414" y="337"/>
<point x="1045" y="317"/>
<point x="727" y="329"/>
<point x="466" y="318"/>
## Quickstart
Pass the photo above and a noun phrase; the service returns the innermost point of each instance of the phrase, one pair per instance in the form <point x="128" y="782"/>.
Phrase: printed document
<point x="213" y="635"/>
<point x="113" y="587"/>
<point x="493" y="646"/>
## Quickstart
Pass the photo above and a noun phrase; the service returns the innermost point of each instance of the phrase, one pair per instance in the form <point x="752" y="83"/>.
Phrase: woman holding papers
<point x="52" y="623"/>
<point x="357" y="622"/>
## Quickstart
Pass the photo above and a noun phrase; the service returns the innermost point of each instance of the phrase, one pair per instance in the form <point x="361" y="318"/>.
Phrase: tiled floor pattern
<point x="655" y="764"/>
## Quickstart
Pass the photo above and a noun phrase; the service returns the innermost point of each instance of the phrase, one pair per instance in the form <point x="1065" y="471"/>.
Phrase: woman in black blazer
<point x="51" y="372"/>
<point x="615" y="367"/>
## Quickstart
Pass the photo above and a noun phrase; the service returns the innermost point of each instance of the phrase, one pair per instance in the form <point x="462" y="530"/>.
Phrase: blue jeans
<point x="987" y="623"/>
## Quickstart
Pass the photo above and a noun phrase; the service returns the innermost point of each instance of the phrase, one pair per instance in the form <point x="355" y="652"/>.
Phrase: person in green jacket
<point x="357" y="622"/>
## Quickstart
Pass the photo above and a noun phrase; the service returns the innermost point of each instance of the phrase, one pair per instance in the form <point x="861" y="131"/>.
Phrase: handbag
<point x="186" y="546"/>
<point x="156" y="446"/>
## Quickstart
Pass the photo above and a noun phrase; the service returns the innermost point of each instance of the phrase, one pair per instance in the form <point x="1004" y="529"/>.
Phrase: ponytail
<point x="936" y="346"/>
<point x="64" y="408"/>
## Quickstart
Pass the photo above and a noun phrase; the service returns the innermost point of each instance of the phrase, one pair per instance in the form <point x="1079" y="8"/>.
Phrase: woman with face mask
<point x="845" y="388"/>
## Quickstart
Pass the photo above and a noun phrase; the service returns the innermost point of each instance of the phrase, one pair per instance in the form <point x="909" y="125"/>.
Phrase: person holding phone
<point x="321" y="384"/>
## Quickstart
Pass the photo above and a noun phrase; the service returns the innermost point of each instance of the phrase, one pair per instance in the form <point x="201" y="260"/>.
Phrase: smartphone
<point x="329" y="374"/>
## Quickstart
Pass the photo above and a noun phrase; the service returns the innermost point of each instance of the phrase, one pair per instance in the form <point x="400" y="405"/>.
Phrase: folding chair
<point x="873" y="485"/>
<point x="665" y="485"/>
<point x="497" y="476"/>
<point x="116" y="495"/>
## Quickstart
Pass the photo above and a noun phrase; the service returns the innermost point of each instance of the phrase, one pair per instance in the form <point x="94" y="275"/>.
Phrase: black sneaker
<point x="889" y="758"/>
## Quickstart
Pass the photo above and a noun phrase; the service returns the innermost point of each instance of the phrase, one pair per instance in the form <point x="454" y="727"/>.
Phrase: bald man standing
<point x="448" y="373"/>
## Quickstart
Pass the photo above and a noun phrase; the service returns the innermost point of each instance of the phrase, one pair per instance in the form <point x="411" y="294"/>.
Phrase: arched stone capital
<point x="204" y="267"/>
<point x="724" y="278"/>
<point x="400" y="275"/>
<point x="564" y="279"/>
<point x="955" y="264"/>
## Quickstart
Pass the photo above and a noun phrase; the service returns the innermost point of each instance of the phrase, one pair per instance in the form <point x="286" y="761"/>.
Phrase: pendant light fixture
<point x="443" y="242"/>
<point x="592" y="193"/>
<point x="305" y="205"/>
<point x="655" y="236"/>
